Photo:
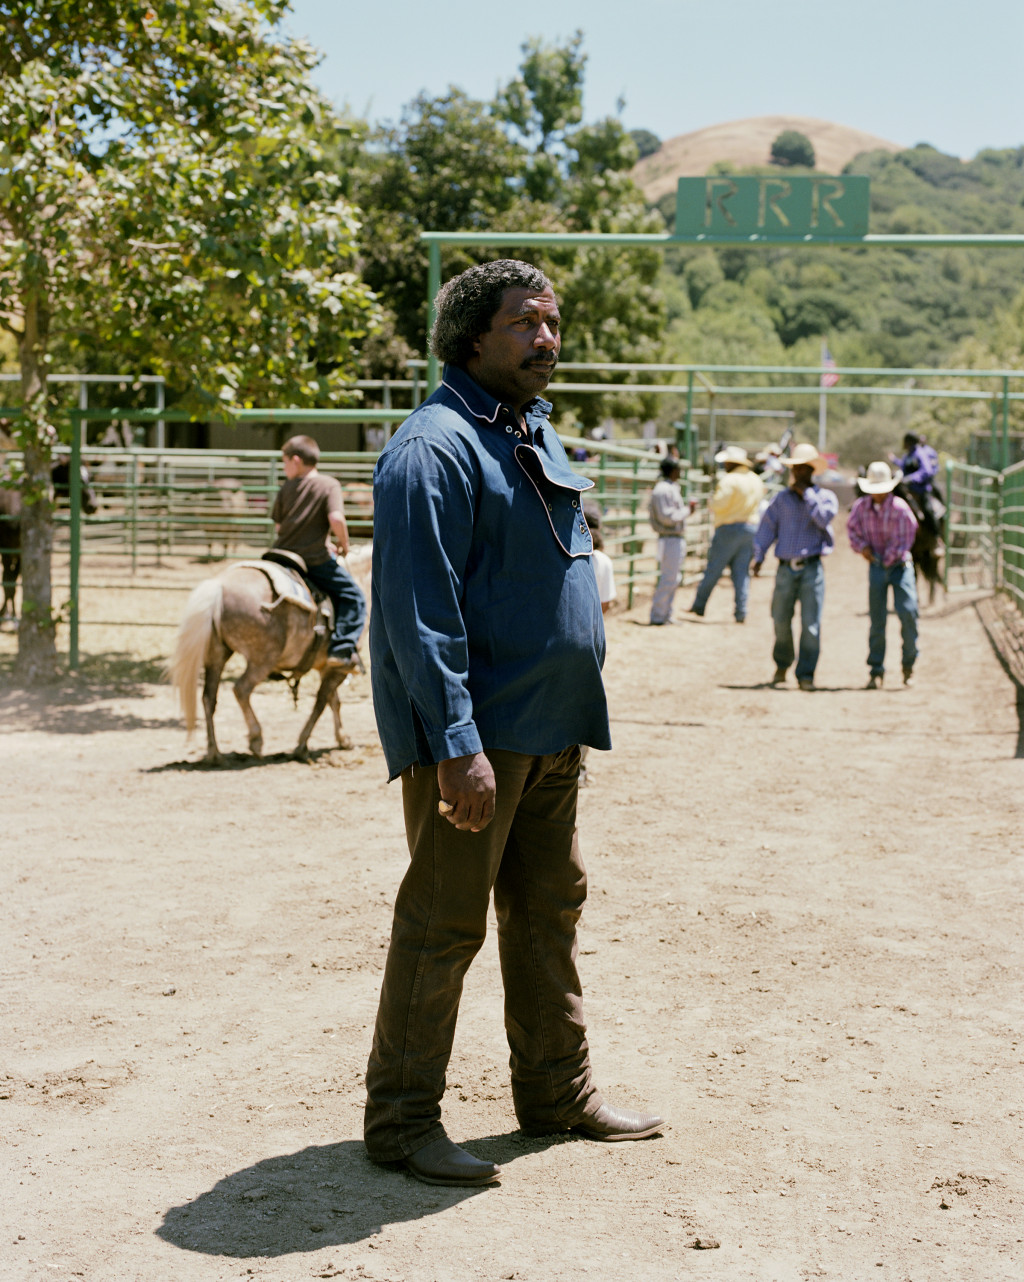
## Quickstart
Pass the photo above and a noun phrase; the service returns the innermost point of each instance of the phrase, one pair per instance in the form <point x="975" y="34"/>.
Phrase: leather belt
<point x="798" y="562"/>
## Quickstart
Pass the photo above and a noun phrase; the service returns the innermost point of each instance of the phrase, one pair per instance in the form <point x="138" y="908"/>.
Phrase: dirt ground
<point x="802" y="944"/>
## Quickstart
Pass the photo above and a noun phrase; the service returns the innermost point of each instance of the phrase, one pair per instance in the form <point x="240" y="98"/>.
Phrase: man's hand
<point x="755" y="568"/>
<point x="467" y="786"/>
<point x="867" y="555"/>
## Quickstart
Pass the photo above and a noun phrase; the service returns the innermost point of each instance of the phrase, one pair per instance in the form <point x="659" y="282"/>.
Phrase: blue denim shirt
<point x="802" y="525"/>
<point x="486" y="627"/>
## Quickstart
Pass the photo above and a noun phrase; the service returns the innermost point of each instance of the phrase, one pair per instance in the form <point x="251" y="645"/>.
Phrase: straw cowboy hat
<point x="806" y="454"/>
<point x="733" y="454"/>
<point x="880" y="479"/>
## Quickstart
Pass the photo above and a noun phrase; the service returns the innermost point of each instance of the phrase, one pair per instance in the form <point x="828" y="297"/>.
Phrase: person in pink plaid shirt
<point x="882" y="528"/>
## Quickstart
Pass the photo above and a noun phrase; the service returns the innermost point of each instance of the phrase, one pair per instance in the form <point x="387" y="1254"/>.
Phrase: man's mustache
<point x="547" y="362"/>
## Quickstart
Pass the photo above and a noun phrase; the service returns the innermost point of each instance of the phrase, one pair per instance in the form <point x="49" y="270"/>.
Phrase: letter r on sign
<point x="820" y="201"/>
<point x="712" y="200"/>
<point x="766" y="201"/>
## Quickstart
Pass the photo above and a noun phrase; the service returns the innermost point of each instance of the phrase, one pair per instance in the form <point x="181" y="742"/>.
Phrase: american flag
<point x="829" y="377"/>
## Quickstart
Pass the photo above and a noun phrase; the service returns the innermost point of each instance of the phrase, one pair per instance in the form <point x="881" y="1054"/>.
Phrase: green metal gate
<point x="972" y="527"/>
<point x="1011" y="534"/>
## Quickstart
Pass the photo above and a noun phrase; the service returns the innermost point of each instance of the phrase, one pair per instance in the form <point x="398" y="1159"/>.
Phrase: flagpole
<point x="822" y="401"/>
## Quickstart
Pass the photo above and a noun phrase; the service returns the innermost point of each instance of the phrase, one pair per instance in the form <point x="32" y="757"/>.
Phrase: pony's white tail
<point x="200" y="621"/>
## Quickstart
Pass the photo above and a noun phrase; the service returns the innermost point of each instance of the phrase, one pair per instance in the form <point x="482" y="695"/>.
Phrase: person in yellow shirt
<point x="734" y="505"/>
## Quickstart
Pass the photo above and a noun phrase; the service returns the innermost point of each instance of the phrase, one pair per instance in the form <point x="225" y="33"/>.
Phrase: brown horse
<point x="244" y="609"/>
<point x="927" y="550"/>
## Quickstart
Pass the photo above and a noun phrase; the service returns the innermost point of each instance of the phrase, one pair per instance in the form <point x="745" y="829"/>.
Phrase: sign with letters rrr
<point x="804" y="206"/>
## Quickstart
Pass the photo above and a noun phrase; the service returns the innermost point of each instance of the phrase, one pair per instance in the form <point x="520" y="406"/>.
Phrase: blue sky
<point x="907" y="70"/>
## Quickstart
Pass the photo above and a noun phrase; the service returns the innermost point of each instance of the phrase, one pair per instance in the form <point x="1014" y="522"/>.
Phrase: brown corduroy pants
<point x="530" y="857"/>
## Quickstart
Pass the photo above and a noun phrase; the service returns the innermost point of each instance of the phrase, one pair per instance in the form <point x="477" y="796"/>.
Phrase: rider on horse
<point x="920" y="467"/>
<point x="308" y="508"/>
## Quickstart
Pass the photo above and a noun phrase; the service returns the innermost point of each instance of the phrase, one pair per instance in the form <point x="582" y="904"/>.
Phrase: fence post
<point x="1004" y="458"/>
<point x="690" y="443"/>
<point x="712" y="437"/>
<point x="75" y="498"/>
<point x="162" y="526"/>
<point x="161" y="427"/>
<point x="433" y="285"/>
<point x="632" y="532"/>
<point x="133" y="463"/>
<point x="993" y="433"/>
<point x="949" y="521"/>
<point x="271" y="492"/>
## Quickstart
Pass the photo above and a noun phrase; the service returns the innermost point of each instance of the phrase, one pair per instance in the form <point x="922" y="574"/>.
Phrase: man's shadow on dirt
<point x="325" y="1195"/>
<point x="784" y="687"/>
<point x="861" y="687"/>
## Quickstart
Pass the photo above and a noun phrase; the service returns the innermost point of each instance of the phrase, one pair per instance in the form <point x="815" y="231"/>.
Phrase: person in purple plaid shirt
<point x="882" y="529"/>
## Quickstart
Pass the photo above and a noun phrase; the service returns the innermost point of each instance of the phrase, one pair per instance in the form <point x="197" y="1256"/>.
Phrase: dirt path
<point x="802" y="944"/>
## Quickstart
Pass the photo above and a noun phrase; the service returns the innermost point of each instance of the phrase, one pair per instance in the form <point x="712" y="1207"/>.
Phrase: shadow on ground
<point x="325" y="1195"/>
<point x="333" y="756"/>
<point x="69" y="704"/>
<point x="658" y="721"/>
<point x="790" y="687"/>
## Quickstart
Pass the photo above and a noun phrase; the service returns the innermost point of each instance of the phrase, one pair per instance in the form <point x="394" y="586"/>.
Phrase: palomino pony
<point x="10" y="528"/>
<point x="272" y="622"/>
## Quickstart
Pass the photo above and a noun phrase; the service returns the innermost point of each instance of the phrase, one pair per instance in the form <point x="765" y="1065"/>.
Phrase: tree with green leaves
<point x="998" y="344"/>
<point x="792" y="148"/>
<point x="522" y="162"/>
<point x="162" y="193"/>
<point x="647" y="143"/>
<point x="447" y="165"/>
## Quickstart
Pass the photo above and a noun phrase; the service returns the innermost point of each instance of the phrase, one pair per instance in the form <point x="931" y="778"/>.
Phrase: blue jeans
<point x="806" y="585"/>
<point x="904" y="598"/>
<point x="334" y="580"/>
<point x="732" y="548"/>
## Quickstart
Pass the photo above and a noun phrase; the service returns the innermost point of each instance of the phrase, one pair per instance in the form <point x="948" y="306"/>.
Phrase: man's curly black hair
<point x="467" y="304"/>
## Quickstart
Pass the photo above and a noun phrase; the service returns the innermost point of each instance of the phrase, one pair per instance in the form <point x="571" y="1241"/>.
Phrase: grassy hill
<point x="903" y="306"/>
<point x="742" y="143"/>
<point x="876" y="307"/>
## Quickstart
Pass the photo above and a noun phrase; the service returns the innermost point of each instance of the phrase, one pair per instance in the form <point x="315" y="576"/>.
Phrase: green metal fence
<point x="170" y="509"/>
<point x="623" y="479"/>
<point x="159" y="503"/>
<point x="186" y="506"/>
<point x="1011" y="534"/>
<point x="972" y="527"/>
<point x="161" y="511"/>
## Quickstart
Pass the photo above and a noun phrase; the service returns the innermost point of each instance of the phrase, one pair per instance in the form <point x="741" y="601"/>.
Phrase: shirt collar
<point x="480" y="403"/>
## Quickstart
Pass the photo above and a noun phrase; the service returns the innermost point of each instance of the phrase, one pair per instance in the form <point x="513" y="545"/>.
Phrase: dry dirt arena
<point x="802" y="944"/>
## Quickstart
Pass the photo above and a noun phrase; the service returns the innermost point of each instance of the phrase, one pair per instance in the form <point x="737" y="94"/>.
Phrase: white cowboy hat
<point x="732" y="454"/>
<point x="880" y="479"/>
<point x="806" y="454"/>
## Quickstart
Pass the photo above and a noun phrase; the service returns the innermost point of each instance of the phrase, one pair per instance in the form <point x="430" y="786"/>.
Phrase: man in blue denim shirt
<point x="486" y="642"/>
<point x="799" y="521"/>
